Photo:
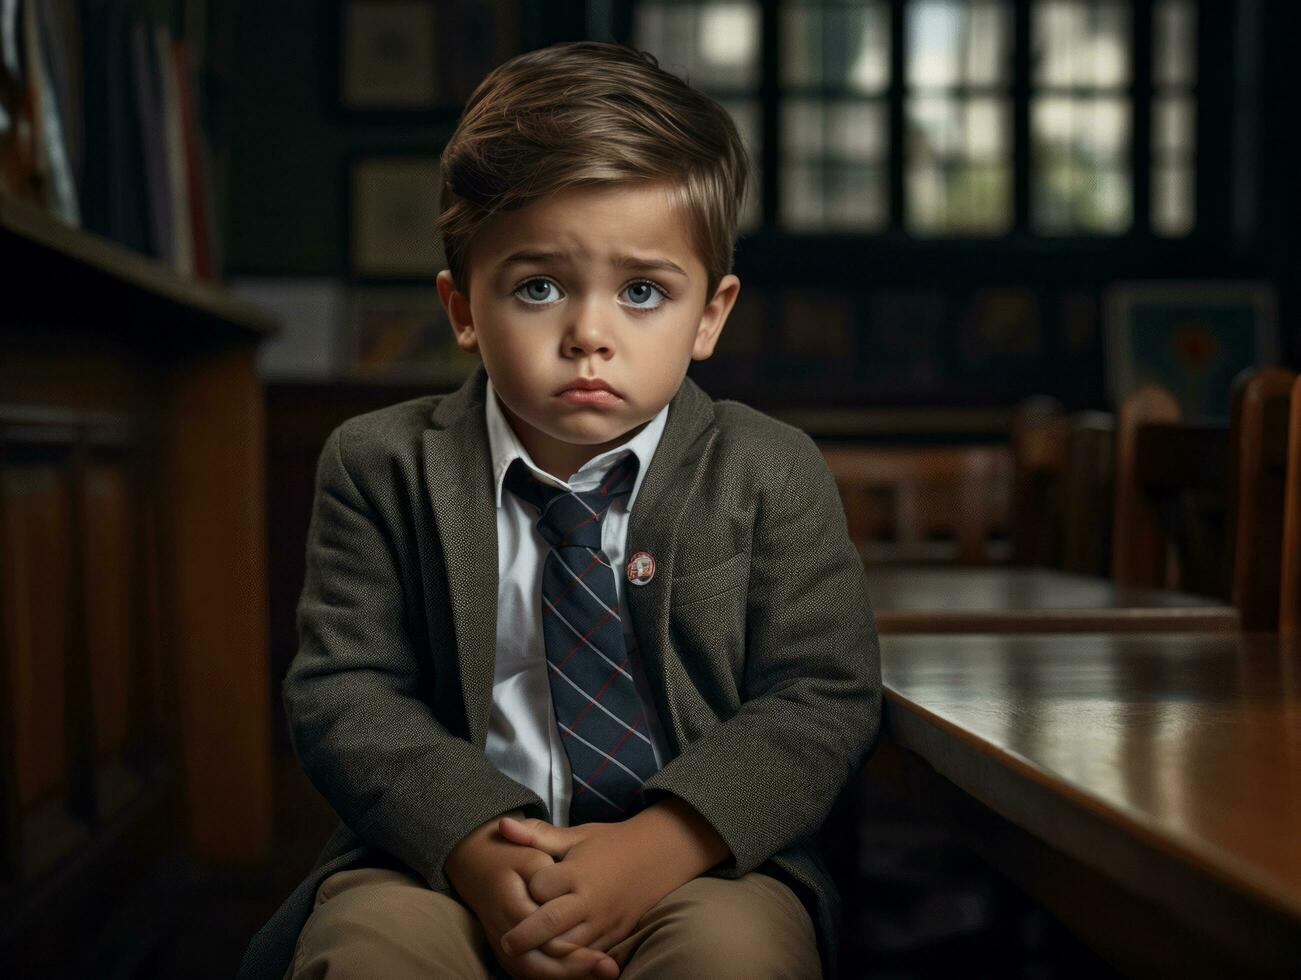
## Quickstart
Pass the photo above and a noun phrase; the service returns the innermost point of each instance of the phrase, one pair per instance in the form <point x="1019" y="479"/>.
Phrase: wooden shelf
<point x="25" y="227"/>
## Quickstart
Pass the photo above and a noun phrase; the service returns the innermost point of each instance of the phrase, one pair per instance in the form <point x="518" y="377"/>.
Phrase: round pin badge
<point x="641" y="568"/>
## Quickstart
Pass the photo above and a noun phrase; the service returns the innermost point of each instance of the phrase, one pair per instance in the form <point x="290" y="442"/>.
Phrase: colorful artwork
<point x="1193" y="338"/>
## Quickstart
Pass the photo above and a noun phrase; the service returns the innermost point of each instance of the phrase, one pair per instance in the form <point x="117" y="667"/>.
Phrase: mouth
<point x="588" y="384"/>
<point x="589" y="391"/>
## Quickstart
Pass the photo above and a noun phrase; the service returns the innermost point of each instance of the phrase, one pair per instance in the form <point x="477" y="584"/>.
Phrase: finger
<point x="566" y="942"/>
<point x="591" y="963"/>
<point x="555" y="841"/>
<point x="549" y="921"/>
<point x="578" y="965"/>
<point x="550" y="882"/>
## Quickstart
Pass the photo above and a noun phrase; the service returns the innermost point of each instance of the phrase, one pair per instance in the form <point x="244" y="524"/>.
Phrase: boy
<point x="585" y="656"/>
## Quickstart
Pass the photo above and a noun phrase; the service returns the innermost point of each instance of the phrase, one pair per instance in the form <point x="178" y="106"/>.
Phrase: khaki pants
<point x="374" y="922"/>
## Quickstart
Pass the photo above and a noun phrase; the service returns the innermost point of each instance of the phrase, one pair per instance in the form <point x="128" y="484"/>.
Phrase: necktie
<point x="601" y="717"/>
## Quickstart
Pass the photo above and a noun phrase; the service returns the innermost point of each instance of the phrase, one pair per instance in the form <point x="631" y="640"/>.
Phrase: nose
<point x="588" y="332"/>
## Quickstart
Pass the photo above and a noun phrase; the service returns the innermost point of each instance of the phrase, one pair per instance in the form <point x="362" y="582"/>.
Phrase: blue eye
<point x="534" y="292"/>
<point x="644" y="289"/>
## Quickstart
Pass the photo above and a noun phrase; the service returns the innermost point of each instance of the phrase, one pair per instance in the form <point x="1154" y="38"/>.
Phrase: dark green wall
<point x="287" y="150"/>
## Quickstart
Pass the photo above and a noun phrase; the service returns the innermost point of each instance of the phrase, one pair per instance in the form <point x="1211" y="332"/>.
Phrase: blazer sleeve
<point x="768" y="776"/>
<point x="357" y="695"/>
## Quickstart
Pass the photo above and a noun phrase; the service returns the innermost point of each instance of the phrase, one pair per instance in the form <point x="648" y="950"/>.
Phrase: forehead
<point x="593" y="224"/>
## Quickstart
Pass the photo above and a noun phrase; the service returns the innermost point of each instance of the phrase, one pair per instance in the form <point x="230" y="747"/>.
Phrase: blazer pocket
<point x="708" y="583"/>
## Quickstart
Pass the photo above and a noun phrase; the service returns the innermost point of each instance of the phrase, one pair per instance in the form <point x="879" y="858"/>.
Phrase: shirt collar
<point x="504" y="447"/>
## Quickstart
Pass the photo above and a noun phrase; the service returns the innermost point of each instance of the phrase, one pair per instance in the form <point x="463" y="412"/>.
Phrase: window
<point x="835" y="135"/>
<point x="958" y="109"/>
<point x="925" y="138"/>
<point x="715" y="45"/>
<point x="1174" y="72"/>
<point x="1080" y="117"/>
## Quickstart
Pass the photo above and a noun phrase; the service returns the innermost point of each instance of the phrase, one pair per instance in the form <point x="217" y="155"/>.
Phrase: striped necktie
<point x="601" y="717"/>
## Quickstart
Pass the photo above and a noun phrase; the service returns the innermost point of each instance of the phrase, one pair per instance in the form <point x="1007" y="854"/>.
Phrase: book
<point x="149" y="99"/>
<point x="191" y="134"/>
<point x="174" y="143"/>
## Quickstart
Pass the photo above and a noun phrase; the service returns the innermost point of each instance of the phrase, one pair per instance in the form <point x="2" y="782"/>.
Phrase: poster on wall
<point x="1193" y="338"/>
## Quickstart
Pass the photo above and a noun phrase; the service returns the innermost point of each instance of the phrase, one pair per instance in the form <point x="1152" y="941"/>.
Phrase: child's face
<point x="586" y="310"/>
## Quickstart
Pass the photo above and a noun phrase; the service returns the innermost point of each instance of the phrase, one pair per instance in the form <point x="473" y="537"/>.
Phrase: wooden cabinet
<point x="134" y="695"/>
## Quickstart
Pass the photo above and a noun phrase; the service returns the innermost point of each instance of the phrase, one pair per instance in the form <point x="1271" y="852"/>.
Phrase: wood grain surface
<point x="1169" y="765"/>
<point x="918" y="599"/>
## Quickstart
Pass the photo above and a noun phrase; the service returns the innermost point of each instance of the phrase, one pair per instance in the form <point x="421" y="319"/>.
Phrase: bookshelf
<point x="134" y="680"/>
<point x="37" y="241"/>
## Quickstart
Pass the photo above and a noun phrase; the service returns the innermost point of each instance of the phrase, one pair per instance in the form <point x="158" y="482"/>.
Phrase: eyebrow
<point x="621" y="260"/>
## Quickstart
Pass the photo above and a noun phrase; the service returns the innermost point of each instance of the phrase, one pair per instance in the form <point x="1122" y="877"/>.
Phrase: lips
<point x="588" y="384"/>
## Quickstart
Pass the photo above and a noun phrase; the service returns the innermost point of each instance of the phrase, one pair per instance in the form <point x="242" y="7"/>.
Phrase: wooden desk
<point x="1146" y="788"/>
<point x="917" y="599"/>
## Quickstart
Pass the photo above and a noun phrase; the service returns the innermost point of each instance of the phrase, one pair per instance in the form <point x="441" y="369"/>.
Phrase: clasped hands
<point x="552" y="899"/>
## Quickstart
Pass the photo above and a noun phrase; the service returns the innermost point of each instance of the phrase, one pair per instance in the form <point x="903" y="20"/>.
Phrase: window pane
<point x="855" y="197"/>
<point x="856" y="130"/>
<point x="714" y="46"/>
<point x="845" y="130"/>
<point x="1079" y="148"/>
<point x="1078" y="43"/>
<point x="834" y="170"/>
<point x="840" y="46"/>
<point x="1172" y="127"/>
<point x="951" y="42"/>
<point x="801" y="196"/>
<point x="958" y="173"/>
<point x="1172" y="200"/>
<point x="1174" y="43"/>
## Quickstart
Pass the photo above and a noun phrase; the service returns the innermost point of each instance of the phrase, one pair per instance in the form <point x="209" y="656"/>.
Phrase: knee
<point x="746" y="950"/>
<point x="745" y="930"/>
<point x="390" y="930"/>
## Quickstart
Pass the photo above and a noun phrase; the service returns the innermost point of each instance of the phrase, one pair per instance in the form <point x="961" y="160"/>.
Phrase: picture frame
<point x="407" y="59"/>
<point x="402" y="336"/>
<point x="393" y="218"/>
<point x="1193" y="338"/>
<point x="388" y="56"/>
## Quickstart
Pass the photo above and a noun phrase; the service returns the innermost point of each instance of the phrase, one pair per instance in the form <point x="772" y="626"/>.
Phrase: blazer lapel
<point x="458" y="473"/>
<point x="653" y="526"/>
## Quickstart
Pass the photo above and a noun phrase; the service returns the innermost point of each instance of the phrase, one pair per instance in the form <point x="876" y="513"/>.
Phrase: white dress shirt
<point x="523" y="740"/>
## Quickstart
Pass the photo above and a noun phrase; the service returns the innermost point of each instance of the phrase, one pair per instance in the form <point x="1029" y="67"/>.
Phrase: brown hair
<point x="589" y="113"/>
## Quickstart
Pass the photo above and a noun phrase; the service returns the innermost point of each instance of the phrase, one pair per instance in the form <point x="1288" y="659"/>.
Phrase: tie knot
<point x="572" y="518"/>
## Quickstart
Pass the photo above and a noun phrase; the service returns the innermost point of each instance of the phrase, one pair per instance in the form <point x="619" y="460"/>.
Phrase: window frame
<point x="1139" y="91"/>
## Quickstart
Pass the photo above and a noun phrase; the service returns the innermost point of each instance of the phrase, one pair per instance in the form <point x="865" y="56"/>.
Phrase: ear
<point x="714" y="316"/>
<point x="457" y="305"/>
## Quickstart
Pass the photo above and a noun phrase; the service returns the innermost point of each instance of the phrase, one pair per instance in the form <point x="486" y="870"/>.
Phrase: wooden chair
<point x="1088" y="487"/>
<point x="1258" y="439"/>
<point x="1138" y="543"/>
<point x="1289" y="619"/>
<point x="1168" y="528"/>
<point x="1039" y="437"/>
<point x="937" y="503"/>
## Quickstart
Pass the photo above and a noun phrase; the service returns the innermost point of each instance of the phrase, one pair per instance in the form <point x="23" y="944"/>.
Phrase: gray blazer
<point x="756" y="633"/>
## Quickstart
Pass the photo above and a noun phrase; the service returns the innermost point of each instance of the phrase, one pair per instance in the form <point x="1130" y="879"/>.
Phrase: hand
<point x="491" y="875"/>
<point x="609" y="874"/>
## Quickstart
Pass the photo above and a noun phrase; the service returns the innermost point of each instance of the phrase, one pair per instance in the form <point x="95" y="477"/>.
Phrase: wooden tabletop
<point x="1168" y="763"/>
<point x="920" y="599"/>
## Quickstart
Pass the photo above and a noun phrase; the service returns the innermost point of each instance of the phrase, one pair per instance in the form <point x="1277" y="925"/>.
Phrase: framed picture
<point x="394" y="218"/>
<point x="402" y="336"/>
<point x="1193" y="338"/>
<point x="408" y="57"/>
